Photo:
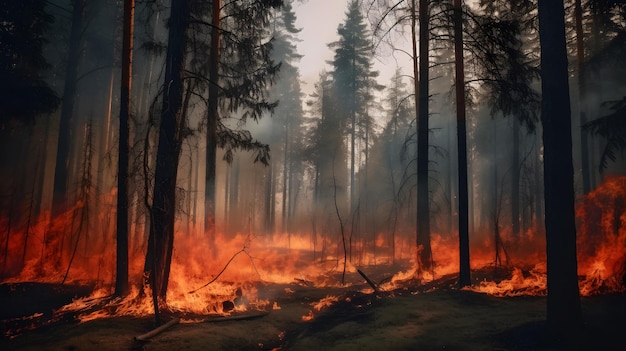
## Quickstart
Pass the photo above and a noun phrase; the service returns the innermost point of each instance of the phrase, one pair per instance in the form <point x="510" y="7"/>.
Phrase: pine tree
<point x="238" y="74"/>
<point x="121" y="277"/>
<point x="163" y="207"/>
<point x="424" y="257"/>
<point x="353" y="78"/>
<point x="286" y="125"/>
<point x="563" y="303"/>
<point x="324" y="145"/>
<point x="464" y="264"/>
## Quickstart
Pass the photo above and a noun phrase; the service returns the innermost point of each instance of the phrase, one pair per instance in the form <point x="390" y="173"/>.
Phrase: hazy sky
<point x="319" y="20"/>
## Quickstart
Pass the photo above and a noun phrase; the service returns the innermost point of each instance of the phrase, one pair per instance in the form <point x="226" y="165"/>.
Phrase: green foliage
<point x="501" y="61"/>
<point x="231" y="140"/>
<point x="352" y="67"/>
<point x="246" y="68"/>
<point x="612" y="128"/>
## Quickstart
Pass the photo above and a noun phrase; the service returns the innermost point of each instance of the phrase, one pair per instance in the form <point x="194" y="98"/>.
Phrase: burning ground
<point x="432" y="317"/>
<point x="283" y="292"/>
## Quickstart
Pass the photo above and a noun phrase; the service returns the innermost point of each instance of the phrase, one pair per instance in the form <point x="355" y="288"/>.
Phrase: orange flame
<point x="289" y="258"/>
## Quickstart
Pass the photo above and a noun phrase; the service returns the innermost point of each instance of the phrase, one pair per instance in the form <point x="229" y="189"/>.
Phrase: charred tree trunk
<point x="212" y="118"/>
<point x="582" y="95"/>
<point x="563" y="303"/>
<point x="59" y="202"/>
<point x="61" y="170"/>
<point x="163" y="208"/>
<point x="515" y="177"/>
<point x="121" y="277"/>
<point x="464" y="263"/>
<point x="423" y="196"/>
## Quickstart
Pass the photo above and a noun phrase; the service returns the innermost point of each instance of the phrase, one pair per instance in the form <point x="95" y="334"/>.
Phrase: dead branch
<point x="155" y="331"/>
<point x="343" y="236"/>
<point x="369" y="281"/>
<point x="243" y="250"/>
<point x="221" y="272"/>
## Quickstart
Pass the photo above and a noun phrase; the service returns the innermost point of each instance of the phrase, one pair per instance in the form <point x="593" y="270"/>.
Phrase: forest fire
<point x="229" y="279"/>
<point x="186" y="163"/>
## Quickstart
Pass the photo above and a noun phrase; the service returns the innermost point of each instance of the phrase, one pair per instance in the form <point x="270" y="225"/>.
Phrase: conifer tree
<point x="286" y="125"/>
<point x="353" y="78"/>
<point x="563" y="302"/>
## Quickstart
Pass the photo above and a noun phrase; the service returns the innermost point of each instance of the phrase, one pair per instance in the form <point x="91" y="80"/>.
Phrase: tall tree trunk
<point x="423" y="197"/>
<point x="352" y="145"/>
<point x="61" y="170"/>
<point x="582" y="95"/>
<point x="227" y="172"/>
<point x="285" y="176"/>
<point x="267" y="211"/>
<point x="212" y="118"/>
<point x="515" y="175"/>
<point x="59" y="202"/>
<point x="464" y="263"/>
<point x="563" y="303"/>
<point x="233" y="202"/>
<point x="121" y="278"/>
<point x="163" y="209"/>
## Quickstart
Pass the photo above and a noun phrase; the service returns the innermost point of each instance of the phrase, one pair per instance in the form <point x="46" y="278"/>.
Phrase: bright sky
<point x="319" y="20"/>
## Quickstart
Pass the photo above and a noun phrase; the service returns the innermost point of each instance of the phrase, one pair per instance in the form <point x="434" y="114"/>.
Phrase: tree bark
<point x="212" y="118"/>
<point x="464" y="263"/>
<point x="59" y="202"/>
<point x="515" y="176"/>
<point x="285" y="176"/>
<point x="563" y="302"/>
<point x="163" y="209"/>
<point x="121" y="278"/>
<point x="582" y="94"/>
<point x="423" y="197"/>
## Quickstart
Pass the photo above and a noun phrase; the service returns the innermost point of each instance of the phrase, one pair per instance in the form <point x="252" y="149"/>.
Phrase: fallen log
<point x="157" y="330"/>
<point x="237" y="317"/>
<point x="369" y="281"/>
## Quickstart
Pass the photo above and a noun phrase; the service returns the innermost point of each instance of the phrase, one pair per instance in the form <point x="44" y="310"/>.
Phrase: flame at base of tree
<point x="227" y="275"/>
<point x="601" y="246"/>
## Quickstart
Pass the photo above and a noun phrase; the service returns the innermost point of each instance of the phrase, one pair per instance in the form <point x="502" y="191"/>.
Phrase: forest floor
<point x="429" y="318"/>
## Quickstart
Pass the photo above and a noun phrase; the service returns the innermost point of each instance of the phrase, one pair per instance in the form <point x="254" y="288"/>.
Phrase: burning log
<point x="369" y="281"/>
<point x="155" y="331"/>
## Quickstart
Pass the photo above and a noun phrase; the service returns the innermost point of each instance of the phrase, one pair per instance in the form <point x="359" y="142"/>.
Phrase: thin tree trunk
<point x="59" y="194"/>
<point x="515" y="176"/>
<point x="84" y="197"/>
<point x="582" y="94"/>
<point x="212" y="118"/>
<point x="464" y="263"/>
<point x="563" y="302"/>
<point x="59" y="201"/>
<point x="163" y="209"/>
<point x="226" y="197"/>
<point x="268" y="201"/>
<point x="31" y="212"/>
<point x="423" y="196"/>
<point x="121" y="277"/>
<point x="285" y="167"/>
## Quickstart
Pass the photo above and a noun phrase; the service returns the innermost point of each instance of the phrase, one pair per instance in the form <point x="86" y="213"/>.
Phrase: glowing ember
<point x="325" y="302"/>
<point x="308" y="317"/>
